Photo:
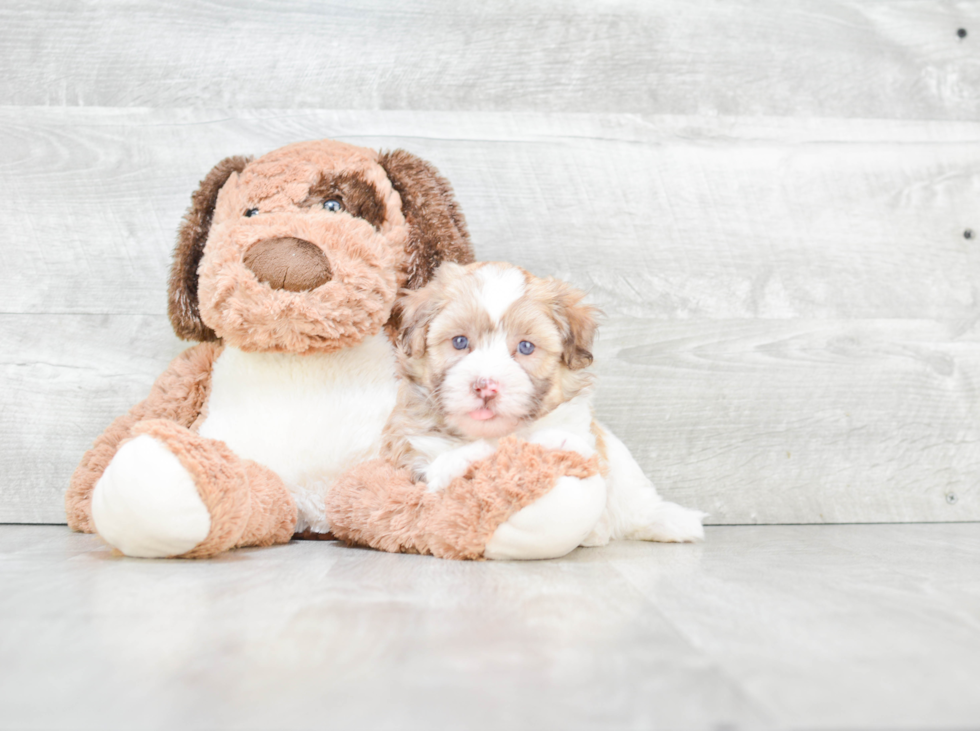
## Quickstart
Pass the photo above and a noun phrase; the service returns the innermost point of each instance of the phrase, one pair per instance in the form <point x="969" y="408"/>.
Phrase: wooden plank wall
<point x="770" y="201"/>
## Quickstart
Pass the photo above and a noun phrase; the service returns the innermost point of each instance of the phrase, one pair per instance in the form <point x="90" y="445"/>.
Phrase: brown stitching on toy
<point x="358" y="196"/>
<point x="437" y="227"/>
<point x="191" y="238"/>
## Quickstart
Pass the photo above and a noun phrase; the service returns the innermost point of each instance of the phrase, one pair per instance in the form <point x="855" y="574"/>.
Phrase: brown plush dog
<point x="286" y="267"/>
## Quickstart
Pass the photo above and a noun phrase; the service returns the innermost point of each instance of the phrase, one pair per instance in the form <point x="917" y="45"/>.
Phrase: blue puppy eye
<point x="333" y="205"/>
<point x="460" y="342"/>
<point x="525" y="347"/>
<point x="251" y="212"/>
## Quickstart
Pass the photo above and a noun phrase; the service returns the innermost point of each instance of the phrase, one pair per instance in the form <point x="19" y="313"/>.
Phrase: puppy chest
<point x="305" y="417"/>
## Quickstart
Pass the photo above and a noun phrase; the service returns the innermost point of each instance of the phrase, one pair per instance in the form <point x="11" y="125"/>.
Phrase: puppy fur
<point x="487" y="351"/>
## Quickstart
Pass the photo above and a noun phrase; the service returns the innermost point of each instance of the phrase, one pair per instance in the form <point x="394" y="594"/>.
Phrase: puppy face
<point x="494" y="346"/>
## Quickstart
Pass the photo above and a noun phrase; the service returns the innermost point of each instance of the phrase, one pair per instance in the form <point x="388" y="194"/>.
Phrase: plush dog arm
<point x="152" y="487"/>
<point x="522" y="502"/>
<point x="178" y="396"/>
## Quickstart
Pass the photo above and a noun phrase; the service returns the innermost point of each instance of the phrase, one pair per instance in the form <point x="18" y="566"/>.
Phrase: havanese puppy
<point x="488" y="350"/>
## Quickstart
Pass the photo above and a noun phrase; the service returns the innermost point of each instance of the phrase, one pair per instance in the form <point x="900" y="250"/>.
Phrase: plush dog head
<point x="494" y="346"/>
<point x="304" y="249"/>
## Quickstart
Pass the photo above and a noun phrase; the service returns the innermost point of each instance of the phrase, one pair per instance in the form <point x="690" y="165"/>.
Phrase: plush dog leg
<point x="178" y="395"/>
<point x="170" y="492"/>
<point x="559" y="521"/>
<point x="377" y="505"/>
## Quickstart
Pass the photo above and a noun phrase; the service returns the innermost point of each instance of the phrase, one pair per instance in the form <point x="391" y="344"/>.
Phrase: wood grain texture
<point x="805" y="58"/>
<point x="661" y="217"/>
<point x="65" y="378"/>
<point x="800" y="421"/>
<point x="791" y="305"/>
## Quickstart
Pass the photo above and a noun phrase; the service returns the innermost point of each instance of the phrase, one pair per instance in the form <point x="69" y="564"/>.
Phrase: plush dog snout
<point x="486" y="388"/>
<point x="288" y="263"/>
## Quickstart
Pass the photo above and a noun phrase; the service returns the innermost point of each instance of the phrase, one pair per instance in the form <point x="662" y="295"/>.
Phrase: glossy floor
<point x="874" y="626"/>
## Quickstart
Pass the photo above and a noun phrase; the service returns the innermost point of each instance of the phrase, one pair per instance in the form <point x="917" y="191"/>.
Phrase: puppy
<point x="488" y="350"/>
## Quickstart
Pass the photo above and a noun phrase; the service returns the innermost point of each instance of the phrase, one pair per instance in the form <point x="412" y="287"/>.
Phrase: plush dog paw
<point x="554" y="524"/>
<point x="146" y="503"/>
<point x="561" y="440"/>
<point x="448" y="466"/>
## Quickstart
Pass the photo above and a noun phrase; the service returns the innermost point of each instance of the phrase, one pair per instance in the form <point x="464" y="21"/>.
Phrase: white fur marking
<point x="448" y="466"/>
<point x="560" y="440"/>
<point x="146" y="504"/>
<point x="490" y="360"/>
<point x="430" y="447"/>
<point x="499" y="289"/>
<point x="635" y="510"/>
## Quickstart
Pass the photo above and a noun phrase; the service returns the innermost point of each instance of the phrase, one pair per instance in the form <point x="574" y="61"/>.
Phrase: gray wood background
<point x="769" y="200"/>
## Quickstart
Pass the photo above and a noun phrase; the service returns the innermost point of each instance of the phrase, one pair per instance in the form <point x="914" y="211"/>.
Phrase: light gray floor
<point x="874" y="626"/>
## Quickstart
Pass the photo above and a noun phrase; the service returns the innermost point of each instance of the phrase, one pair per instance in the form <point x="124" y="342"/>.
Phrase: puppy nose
<point x="288" y="263"/>
<point x="486" y="388"/>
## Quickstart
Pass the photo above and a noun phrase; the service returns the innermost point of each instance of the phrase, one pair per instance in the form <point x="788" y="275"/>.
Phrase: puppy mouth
<point x="485" y="422"/>
<point x="481" y="414"/>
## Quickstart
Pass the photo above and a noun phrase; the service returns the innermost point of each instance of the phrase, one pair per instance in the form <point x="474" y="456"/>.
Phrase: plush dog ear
<point x="191" y="237"/>
<point x="437" y="229"/>
<point x="577" y="323"/>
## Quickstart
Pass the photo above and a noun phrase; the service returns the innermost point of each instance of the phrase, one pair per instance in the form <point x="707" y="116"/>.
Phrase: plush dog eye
<point x="333" y="205"/>
<point x="251" y="212"/>
<point x="525" y="347"/>
<point x="460" y="342"/>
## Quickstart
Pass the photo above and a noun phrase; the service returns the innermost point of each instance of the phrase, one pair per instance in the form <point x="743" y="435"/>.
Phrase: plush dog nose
<point x="486" y="388"/>
<point x="288" y="263"/>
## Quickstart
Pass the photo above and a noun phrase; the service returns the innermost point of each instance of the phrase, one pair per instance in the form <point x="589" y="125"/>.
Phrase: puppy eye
<point x="525" y="347"/>
<point x="333" y="205"/>
<point x="251" y="212"/>
<point x="460" y="342"/>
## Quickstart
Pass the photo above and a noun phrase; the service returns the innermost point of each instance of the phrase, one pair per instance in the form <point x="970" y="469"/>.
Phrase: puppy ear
<point x="577" y="323"/>
<point x="191" y="237"/>
<point x="414" y="311"/>
<point x="410" y="318"/>
<point x="437" y="229"/>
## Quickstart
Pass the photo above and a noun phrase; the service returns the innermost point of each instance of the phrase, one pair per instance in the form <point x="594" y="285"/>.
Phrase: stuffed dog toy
<point x="286" y="270"/>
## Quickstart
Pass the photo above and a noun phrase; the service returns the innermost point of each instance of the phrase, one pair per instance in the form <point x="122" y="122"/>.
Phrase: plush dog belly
<point x="307" y="417"/>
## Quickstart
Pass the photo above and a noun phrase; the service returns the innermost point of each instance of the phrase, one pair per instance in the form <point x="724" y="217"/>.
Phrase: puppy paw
<point x="670" y="523"/>
<point x="563" y="441"/>
<point x="448" y="466"/>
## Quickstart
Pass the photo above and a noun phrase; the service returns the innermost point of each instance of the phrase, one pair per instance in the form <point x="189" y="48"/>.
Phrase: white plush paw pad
<point x="452" y="464"/>
<point x="561" y="440"/>
<point x="670" y="523"/>
<point x="554" y="524"/>
<point x="146" y="504"/>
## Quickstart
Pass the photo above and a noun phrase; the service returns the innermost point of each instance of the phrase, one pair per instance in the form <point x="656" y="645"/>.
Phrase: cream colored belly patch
<point x="308" y="418"/>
